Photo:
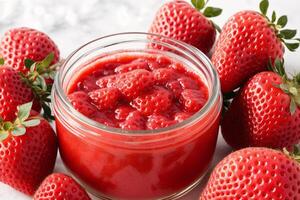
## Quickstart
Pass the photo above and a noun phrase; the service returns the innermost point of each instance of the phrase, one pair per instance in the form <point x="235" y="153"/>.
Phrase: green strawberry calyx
<point x="295" y="153"/>
<point x="285" y="35"/>
<point x="290" y="86"/>
<point x="22" y="121"/>
<point x="208" y="11"/>
<point x="36" y="79"/>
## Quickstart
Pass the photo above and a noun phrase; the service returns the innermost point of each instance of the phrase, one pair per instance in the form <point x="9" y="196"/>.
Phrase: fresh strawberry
<point x="13" y="92"/>
<point x="136" y="64"/>
<point x="266" y="112"/>
<point x="82" y="103"/>
<point x="179" y="20"/>
<point x="158" y="121"/>
<point x="247" y="43"/>
<point x="156" y="100"/>
<point x="193" y="100"/>
<point x="132" y="83"/>
<point x="28" y="150"/>
<point x="59" y="186"/>
<point x="23" y="43"/>
<point x="164" y="75"/>
<point x="134" y="121"/>
<point x="254" y="173"/>
<point x="122" y="112"/>
<point x="106" y="98"/>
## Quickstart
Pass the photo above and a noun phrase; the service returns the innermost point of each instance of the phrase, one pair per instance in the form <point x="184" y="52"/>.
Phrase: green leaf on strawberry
<point x="282" y="21"/>
<point x="36" y="78"/>
<point x="264" y="5"/>
<point x="18" y="127"/>
<point x="295" y="153"/>
<point x="212" y="11"/>
<point x="208" y="11"/>
<point x="1" y="61"/>
<point x="198" y="4"/>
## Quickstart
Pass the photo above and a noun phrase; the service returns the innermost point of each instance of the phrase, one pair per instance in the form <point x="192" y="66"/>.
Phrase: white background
<point x="72" y="23"/>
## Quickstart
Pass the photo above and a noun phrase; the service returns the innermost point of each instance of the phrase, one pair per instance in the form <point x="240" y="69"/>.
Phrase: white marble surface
<point x="71" y="23"/>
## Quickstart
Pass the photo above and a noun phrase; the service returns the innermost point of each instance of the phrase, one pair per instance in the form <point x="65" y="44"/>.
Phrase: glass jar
<point x="117" y="164"/>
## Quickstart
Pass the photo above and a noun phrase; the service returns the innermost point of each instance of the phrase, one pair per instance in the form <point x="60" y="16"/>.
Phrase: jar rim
<point x="213" y="98"/>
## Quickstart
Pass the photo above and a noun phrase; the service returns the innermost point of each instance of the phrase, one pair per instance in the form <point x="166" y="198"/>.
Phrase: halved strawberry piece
<point x="131" y="84"/>
<point x="181" y="116"/>
<point x="136" y="64"/>
<point x="134" y="121"/>
<point x="188" y="83"/>
<point x="122" y="112"/>
<point x="81" y="102"/>
<point x="158" y="121"/>
<point x="175" y="88"/>
<point x="156" y="100"/>
<point x="106" y="98"/>
<point x="164" y="75"/>
<point x="107" y="81"/>
<point x="193" y="100"/>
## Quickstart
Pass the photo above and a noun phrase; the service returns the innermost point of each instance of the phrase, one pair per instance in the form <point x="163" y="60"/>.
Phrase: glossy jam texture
<point x="137" y="92"/>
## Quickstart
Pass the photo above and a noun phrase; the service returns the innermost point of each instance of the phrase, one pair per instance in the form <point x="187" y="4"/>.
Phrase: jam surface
<point x="137" y="92"/>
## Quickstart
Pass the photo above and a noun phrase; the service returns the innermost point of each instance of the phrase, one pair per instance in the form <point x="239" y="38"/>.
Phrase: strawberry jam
<point x="148" y="92"/>
<point x="157" y="125"/>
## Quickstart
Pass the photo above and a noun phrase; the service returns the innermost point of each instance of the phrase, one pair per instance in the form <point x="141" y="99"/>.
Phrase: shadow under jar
<point x="149" y="164"/>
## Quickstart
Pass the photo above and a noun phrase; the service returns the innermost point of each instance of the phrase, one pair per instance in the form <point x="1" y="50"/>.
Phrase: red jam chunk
<point x="138" y="92"/>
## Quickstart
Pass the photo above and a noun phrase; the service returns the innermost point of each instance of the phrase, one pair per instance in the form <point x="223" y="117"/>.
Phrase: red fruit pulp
<point x="134" y="165"/>
<point x="140" y="88"/>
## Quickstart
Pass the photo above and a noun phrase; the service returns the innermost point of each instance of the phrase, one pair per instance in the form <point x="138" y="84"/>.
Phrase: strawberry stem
<point x="208" y="11"/>
<point x="291" y="86"/>
<point x="295" y="153"/>
<point x="22" y="121"/>
<point x="36" y="78"/>
<point x="285" y="35"/>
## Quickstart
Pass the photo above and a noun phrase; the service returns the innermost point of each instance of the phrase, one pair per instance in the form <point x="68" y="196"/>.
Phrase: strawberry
<point x="23" y="43"/>
<point x="134" y="121"/>
<point x="132" y="83"/>
<point x="107" y="81"/>
<point x="181" y="116"/>
<point x="179" y="20"/>
<point x="266" y="112"/>
<point x="254" y="173"/>
<point x="175" y="87"/>
<point x="156" y="100"/>
<point x="136" y="64"/>
<point x="164" y="75"/>
<point x="158" y="121"/>
<point x="28" y="150"/>
<point x="106" y="98"/>
<point x="81" y="102"/>
<point x="13" y="92"/>
<point x="122" y="112"/>
<point x="193" y="100"/>
<point x="59" y="186"/>
<point x="247" y="43"/>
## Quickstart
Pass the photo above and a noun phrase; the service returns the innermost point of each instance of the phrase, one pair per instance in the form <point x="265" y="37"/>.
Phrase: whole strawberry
<point x="28" y="150"/>
<point x="247" y="43"/>
<point x="18" y="88"/>
<point x="254" y="173"/>
<point x="23" y="43"/>
<point x="13" y="92"/>
<point x="59" y="186"/>
<point x="266" y="112"/>
<point x="180" y="20"/>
